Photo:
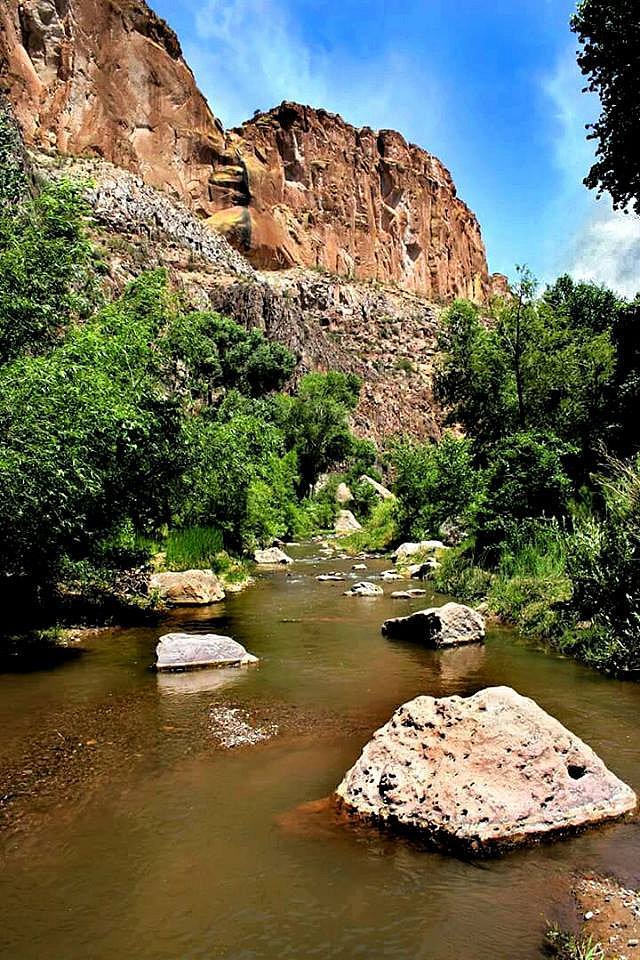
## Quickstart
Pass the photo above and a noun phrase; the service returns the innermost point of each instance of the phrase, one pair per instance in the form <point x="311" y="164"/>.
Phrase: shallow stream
<point x="139" y="826"/>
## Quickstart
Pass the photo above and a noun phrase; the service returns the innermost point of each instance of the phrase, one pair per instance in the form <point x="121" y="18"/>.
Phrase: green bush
<point x="433" y="482"/>
<point x="380" y="531"/>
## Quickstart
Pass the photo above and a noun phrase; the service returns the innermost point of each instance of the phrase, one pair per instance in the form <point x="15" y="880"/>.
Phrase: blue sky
<point x="491" y="88"/>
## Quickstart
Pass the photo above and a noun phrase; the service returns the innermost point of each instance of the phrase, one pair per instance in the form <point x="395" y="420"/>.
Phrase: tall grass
<point x="192" y="548"/>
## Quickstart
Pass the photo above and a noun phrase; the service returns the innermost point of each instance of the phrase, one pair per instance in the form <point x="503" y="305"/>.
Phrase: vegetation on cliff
<point x="543" y="491"/>
<point x="123" y="419"/>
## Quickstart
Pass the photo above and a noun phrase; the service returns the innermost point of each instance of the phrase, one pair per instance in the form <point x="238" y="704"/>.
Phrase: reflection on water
<point x="199" y="681"/>
<point x="185" y="851"/>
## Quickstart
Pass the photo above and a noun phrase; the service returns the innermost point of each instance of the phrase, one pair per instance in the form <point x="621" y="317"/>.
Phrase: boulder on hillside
<point x="481" y="772"/>
<point x="365" y="589"/>
<point x="189" y="588"/>
<point x="343" y="494"/>
<point x="271" y="556"/>
<point x="346" y="523"/>
<point x="406" y="551"/>
<point x="378" y="488"/>
<point x="192" y="651"/>
<point x="447" y="626"/>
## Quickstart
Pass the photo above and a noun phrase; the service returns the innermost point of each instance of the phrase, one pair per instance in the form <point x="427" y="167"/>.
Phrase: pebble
<point x="588" y="915"/>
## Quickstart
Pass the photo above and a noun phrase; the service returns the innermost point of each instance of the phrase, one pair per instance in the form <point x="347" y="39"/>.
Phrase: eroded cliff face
<point x="384" y="334"/>
<point x="293" y="187"/>
<point x="313" y="190"/>
<point x="107" y="78"/>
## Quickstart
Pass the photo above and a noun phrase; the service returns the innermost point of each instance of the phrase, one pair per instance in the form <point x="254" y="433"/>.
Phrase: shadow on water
<point x="31" y="652"/>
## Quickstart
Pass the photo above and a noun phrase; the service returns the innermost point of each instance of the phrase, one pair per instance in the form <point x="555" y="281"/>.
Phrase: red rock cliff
<point x="106" y="77"/>
<point x="295" y="186"/>
<point x="316" y="191"/>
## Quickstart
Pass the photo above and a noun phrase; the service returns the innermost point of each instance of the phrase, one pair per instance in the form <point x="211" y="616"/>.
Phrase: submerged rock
<point x="346" y="523"/>
<point x="189" y="588"/>
<point x="230" y="727"/>
<point x="365" y="589"/>
<point x="407" y="594"/>
<point x="446" y="626"/>
<point x="331" y="577"/>
<point x="273" y="555"/>
<point x="490" y="770"/>
<point x="192" y="651"/>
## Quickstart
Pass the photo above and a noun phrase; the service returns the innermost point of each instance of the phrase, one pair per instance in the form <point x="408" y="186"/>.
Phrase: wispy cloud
<point x="593" y="241"/>
<point x="607" y="250"/>
<point x="252" y="54"/>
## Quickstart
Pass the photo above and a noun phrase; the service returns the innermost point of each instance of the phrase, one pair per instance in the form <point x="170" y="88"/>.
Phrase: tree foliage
<point x="609" y="34"/>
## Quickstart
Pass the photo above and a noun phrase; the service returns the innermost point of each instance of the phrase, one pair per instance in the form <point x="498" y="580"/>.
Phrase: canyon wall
<point x="293" y="187"/>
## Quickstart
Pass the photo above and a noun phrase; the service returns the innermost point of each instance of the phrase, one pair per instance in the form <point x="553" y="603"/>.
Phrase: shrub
<point x="433" y="482"/>
<point x="380" y="531"/>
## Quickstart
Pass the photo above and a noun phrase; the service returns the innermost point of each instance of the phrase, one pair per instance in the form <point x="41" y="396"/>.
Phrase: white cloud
<point x="592" y="241"/>
<point x="607" y="250"/>
<point x="252" y="54"/>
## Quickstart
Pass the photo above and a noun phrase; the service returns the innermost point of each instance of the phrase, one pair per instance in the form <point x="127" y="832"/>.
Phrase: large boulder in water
<point x="192" y="651"/>
<point x="446" y="626"/>
<point x="490" y="770"/>
<point x="189" y="588"/>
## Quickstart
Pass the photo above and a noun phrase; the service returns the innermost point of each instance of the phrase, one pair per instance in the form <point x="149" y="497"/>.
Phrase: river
<point x="135" y="830"/>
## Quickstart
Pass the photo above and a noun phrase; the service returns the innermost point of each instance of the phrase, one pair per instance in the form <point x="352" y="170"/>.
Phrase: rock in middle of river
<point x="481" y="772"/>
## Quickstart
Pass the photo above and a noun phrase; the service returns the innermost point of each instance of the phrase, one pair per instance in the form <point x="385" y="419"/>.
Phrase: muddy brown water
<point x="130" y="832"/>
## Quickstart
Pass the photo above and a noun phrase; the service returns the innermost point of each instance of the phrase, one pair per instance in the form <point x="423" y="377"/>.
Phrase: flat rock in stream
<point x="192" y="651"/>
<point x="365" y="589"/>
<point x="483" y="772"/>
<point x="447" y="626"/>
<point x="271" y="556"/>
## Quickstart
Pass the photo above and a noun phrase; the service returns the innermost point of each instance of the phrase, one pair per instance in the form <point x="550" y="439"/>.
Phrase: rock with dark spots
<point x="271" y="556"/>
<point x="365" y="589"/>
<point x="482" y="772"/>
<point x="192" y="651"/>
<point x="447" y="626"/>
<point x="188" y="588"/>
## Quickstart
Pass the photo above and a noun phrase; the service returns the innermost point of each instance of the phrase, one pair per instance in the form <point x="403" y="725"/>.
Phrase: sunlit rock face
<point x="293" y="187"/>
<point x="482" y="772"/>
<point x="358" y="202"/>
<point x="107" y="77"/>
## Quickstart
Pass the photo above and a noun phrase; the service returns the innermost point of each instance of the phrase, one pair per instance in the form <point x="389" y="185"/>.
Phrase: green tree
<point x="46" y="280"/>
<point x="88" y="439"/>
<point x="318" y="427"/>
<point x="434" y="482"/>
<point x="524" y="480"/>
<point x="609" y="34"/>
